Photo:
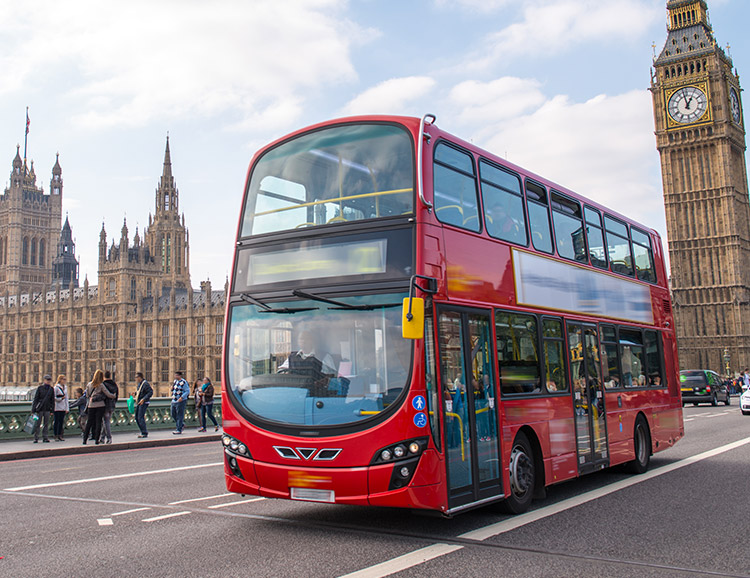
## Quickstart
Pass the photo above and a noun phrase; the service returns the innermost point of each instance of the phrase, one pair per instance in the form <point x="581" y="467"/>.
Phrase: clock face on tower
<point x="687" y="104"/>
<point x="734" y="105"/>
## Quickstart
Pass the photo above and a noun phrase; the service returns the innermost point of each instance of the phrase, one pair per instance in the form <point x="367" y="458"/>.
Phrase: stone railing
<point x="13" y="416"/>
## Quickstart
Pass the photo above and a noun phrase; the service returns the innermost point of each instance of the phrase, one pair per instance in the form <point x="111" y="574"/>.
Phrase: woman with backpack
<point x="61" y="408"/>
<point x="96" y="393"/>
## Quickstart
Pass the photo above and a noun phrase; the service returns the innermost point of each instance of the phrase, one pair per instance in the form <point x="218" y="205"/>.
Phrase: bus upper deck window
<point x="502" y="198"/>
<point x="643" y="256"/>
<point x="455" y="188"/>
<point x="595" y="238"/>
<point x="568" y="223"/>
<point x="618" y="246"/>
<point x="536" y="201"/>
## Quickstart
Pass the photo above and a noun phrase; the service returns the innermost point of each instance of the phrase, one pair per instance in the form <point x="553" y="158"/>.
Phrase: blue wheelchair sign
<point x="420" y="419"/>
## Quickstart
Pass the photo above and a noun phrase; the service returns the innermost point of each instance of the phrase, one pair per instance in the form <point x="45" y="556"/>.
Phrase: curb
<point x="90" y="449"/>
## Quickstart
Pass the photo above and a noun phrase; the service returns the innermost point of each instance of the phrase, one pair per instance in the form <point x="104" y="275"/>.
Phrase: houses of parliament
<point x="143" y="316"/>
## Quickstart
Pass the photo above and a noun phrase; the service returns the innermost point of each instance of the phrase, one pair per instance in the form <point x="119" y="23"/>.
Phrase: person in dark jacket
<point x="142" y="396"/>
<point x="43" y="405"/>
<point x="109" y="408"/>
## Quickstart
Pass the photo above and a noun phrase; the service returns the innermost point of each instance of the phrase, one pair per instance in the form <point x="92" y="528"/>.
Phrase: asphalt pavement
<point x="166" y="511"/>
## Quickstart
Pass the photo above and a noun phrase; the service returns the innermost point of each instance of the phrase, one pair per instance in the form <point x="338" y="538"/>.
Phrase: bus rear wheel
<point x="642" y="447"/>
<point x="522" y="476"/>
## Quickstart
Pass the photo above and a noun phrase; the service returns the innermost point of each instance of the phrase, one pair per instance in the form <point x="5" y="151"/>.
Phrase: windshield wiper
<point x="341" y="304"/>
<point x="247" y="298"/>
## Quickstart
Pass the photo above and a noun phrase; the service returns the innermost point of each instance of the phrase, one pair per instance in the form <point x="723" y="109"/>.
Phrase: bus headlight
<point x="400" y="451"/>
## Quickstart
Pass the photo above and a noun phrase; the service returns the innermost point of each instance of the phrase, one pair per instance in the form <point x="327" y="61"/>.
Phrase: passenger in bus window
<point x="500" y="224"/>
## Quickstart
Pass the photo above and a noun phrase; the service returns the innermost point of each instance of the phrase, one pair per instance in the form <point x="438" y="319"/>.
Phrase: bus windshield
<point x="307" y="362"/>
<point x="336" y="175"/>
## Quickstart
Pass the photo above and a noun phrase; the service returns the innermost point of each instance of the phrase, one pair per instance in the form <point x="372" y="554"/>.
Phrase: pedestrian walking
<point x="180" y="395"/>
<point x="96" y="394"/>
<point x="198" y="400"/>
<point x="109" y="408"/>
<point x="61" y="408"/>
<point x="142" y="396"/>
<point x="207" y="404"/>
<point x="43" y="405"/>
<point x="745" y="379"/>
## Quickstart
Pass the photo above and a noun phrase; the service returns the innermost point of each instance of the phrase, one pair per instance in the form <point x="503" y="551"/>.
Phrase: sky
<point x="559" y="87"/>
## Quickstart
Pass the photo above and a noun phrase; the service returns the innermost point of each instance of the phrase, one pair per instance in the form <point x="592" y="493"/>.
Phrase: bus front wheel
<point x="522" y="476"/>
<point x="642" y="447"/>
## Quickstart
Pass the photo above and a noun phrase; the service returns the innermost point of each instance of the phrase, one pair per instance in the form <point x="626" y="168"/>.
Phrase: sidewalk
<point x="26" y="448"/>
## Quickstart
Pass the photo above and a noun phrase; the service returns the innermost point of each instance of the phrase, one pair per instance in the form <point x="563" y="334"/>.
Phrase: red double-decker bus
<point x="415" y="322"/>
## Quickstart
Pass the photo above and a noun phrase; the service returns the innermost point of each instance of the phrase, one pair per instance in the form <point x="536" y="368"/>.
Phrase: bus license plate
<point x="313" y="495"/>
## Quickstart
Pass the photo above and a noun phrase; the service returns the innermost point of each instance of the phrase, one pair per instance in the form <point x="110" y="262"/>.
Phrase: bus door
<point x="469" y="407"/>
<point x="588" y="397"/>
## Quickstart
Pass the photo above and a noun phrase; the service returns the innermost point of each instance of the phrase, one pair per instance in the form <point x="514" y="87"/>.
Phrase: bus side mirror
<point x="412" y="318"/>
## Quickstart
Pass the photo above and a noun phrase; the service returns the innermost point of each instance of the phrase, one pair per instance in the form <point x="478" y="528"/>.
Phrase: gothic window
<point x="149" y="337"/>
<point x="183" y="334"/>
<point x="165" y="335"/>
<point x="22" y="343"/>
<point x="165" y="370"/>
<point x="166" y="201"/>
<point x="132" y="338"/>
<point x="148" y="288"/>
<point x="25" y="251"/>
<point x="11" y="344"/>
<point x="42" y="253"/>
<point x="37" y="342"/>
<point x="32" y="261"/>
<point x="50" y="341"/>
<point x="112" y="288"/>
<point x="93" y="340"/>
<point x="219" y="331"/>
<point x="110" y="341"/>
<point x="63" y="346"/>
<point x="79" y="340"/>
<point x="77" y="371"/>
<point x="200" y="332"/>
<point x="132" y="288"/>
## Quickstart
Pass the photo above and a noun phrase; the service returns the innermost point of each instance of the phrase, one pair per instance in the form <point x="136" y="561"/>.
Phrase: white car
<point x="745" y="402"/>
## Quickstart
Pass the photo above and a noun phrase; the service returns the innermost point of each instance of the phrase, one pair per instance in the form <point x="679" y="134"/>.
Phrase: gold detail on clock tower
<point x="701" y="141"/>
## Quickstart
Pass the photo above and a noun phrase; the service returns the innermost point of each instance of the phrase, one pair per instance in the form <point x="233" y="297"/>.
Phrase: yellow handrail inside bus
<point x="460" y="431"/>
<point x="335" y="200"/>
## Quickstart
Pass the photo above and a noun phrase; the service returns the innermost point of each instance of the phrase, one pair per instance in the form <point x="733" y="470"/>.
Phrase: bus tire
<point x="642" y="447"/>
<point x="522" y="472"/>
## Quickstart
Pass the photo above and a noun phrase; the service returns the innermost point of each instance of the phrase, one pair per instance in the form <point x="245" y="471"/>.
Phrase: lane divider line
<point x="129" y="511"/>
<point x="115" y="477"/>
<point x="200" y="499"/>
<point x="105" y="522"/>
<point x="165" y="516"/>
<point x="404" y="562"/>
<point x="217" y="506"/>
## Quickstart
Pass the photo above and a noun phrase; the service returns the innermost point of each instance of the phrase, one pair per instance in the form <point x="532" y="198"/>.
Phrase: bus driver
<point x="307" y="361"/>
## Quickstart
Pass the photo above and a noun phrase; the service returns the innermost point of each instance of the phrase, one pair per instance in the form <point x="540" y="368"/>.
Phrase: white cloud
<point x="146" y="61"/>
<point x="554" y="26"/>
<point x="503" y="98"/>
<point x="390" y="96"/>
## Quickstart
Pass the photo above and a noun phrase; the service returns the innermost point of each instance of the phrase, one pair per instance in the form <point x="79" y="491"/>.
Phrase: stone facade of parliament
<point x="143" y="315"/>
<point x="701" y="139"/>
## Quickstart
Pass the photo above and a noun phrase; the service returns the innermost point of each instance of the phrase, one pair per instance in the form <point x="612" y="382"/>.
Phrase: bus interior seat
<point x="451" y="214"/>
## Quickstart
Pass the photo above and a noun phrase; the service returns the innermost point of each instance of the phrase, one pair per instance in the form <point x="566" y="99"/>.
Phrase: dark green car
<point x="703" y="386"/>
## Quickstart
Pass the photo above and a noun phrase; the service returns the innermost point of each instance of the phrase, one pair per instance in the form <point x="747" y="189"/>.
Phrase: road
<point x="165" y="512"/>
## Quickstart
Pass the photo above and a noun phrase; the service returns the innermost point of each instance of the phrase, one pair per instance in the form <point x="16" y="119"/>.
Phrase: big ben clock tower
<point x="700" y="135"/>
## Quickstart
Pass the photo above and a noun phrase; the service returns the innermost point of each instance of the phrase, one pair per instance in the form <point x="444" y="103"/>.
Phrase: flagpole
<point x="26" y="136"/>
